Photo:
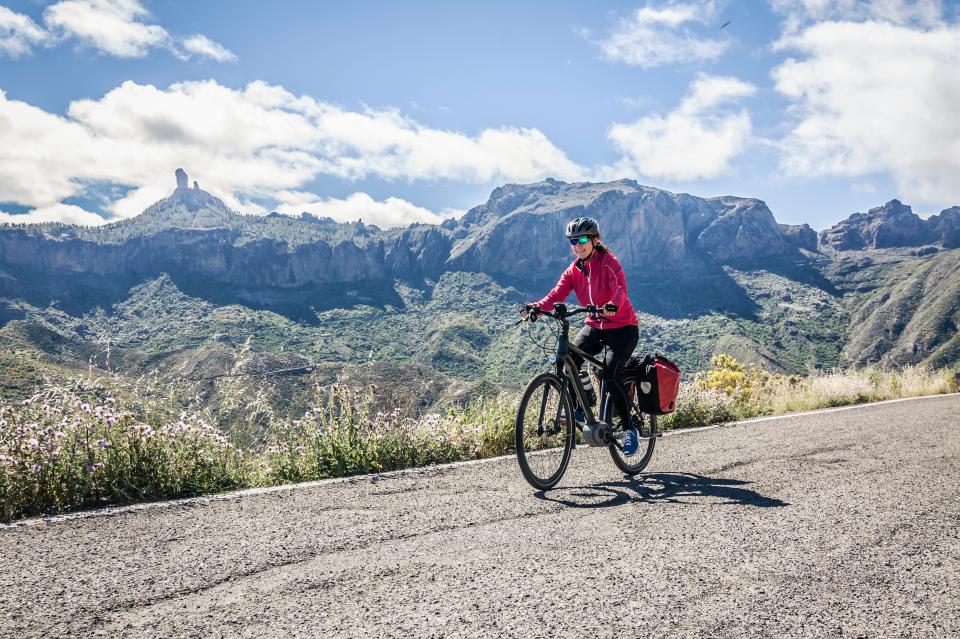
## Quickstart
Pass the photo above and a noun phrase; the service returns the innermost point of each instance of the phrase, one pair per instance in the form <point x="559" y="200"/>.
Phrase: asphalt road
<point x="840" y="524"/>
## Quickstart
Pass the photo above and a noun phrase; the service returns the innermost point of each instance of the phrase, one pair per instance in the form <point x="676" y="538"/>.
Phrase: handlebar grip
<point x="612" y="308"/>
<point x="530" y="312"/>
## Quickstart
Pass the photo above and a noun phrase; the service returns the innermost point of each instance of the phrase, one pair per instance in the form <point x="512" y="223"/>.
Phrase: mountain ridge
<point x="706" y="275"/>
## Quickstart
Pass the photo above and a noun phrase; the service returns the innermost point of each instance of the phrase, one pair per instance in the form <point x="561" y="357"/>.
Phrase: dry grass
<point x="82" y="445"/>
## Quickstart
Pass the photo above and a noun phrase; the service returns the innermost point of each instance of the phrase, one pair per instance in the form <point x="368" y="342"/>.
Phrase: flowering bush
<point x="69" y="448"/>
<point x="697" y="406"/>
<point x="339" y="436"/>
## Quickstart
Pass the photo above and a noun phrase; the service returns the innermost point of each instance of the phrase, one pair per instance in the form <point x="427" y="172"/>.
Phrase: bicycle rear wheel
<point x="544" y="431"/>
<point x="645" y="423"/>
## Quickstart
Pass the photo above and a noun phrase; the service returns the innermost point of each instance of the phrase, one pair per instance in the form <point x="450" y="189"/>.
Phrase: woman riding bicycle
<point x="596" y="277"/>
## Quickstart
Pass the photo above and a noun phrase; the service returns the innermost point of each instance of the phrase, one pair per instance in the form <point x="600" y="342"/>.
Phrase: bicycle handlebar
<point x="561" y="311"/>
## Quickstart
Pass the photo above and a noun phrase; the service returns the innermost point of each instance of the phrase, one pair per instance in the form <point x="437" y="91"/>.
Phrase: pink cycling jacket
<point x="597" y="281"/>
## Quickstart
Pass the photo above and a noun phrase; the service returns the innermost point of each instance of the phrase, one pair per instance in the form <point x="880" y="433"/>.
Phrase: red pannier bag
<point x="656" y="382"/>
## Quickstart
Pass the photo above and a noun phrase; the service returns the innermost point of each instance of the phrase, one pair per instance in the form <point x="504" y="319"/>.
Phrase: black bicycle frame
<point x="566" y="368"/>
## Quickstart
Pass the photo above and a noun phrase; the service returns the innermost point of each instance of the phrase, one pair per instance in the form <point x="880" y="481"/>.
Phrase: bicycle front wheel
<point x="646" y="425"/>
<point x="544" y="431"/>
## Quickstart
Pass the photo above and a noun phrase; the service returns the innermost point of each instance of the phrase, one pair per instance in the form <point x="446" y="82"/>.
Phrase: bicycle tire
<point x="637" y="462"/>
<point x="542" y="463"/>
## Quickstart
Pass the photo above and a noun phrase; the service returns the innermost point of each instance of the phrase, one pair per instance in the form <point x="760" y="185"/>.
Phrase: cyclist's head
<point x="584" y="236"/>
<point x="583" y="226"/>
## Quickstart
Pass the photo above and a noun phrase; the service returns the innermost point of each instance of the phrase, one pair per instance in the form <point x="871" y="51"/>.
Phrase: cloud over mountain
<point x="258" y="141"/>
<point x="874" y="97"/>
<point x="698" y="139"/>
<point x="392" y="212"/>
<point x="119" y="28"/>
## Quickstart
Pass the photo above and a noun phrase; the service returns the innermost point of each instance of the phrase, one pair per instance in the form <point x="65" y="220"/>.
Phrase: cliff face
<point x="518" y="232"/>
<point x="743" y="229"/>
<point x="800" y="236"/>
<point x="947" y="226"/>
<point x="307" y="269"/>
<point x="420" y="250"/>
<point x="891" y="225"/>
<point x="519" y="229"/>
<point x="209" y="253"/>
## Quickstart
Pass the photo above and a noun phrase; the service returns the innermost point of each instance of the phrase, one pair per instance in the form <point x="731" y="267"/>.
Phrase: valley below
<point x="195" y="297"/>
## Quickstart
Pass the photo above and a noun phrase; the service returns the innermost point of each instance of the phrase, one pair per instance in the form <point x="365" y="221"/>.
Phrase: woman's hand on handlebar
<point x="529" y="312"/>
<point x="609" y="310"/>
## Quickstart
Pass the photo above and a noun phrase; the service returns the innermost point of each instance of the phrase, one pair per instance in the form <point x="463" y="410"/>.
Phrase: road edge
<point x="113" y="511"/>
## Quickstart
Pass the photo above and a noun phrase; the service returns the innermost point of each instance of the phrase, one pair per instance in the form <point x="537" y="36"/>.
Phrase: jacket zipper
<point x="590" y="293"/>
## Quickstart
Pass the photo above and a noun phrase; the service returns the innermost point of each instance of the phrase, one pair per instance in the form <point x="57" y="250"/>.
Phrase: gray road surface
<point x="842" y="524"/>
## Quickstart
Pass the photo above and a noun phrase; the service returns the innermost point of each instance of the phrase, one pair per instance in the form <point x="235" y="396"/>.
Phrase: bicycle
<point x="545" y="436"/>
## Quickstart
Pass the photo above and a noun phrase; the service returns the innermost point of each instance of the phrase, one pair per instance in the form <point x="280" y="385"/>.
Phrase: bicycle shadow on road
<point x="670" y="488"/>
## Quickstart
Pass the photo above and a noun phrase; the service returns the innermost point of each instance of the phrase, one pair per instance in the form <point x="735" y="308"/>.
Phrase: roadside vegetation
<point x="86" y="444"/>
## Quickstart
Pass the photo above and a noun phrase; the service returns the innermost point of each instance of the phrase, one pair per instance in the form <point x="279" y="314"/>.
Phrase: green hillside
<point x="207" y="304"/>
<point x="460" y="327"/>
<point x="904" y="308"/>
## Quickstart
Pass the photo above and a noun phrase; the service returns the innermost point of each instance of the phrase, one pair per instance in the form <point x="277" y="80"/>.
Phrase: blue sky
<point x="402" y="112"/>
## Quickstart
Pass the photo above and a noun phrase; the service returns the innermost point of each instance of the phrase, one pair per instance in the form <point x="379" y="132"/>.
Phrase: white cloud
<point x="697" y="140"/>
<point x="256" y="141"/>
<point x="710" y="91"/>
<point x="114" y="27"/>
<point x="799" y="14"/>
<point x="876" y="97"/>
<point x="204" y="47"/>
<point x="658" y="35"/>
<point x="385" y="214"/>
<point x="19" y="34"/>
<point x="136" y="201"/>
<point x="65" y="213"/>
<point x="111" y="26"/>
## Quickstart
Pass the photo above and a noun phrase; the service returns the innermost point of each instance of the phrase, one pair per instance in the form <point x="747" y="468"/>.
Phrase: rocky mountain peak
<point x="644" y="226"/>
<point x="891" y="225"/>
<point x="194" y="200"/>
<point x="742" y="228"/>
<point x="181" y="177"/>
<point x="947" y="226"/>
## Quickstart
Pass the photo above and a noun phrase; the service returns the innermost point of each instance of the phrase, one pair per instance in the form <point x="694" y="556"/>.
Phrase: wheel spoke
<point x="543" y="432"/>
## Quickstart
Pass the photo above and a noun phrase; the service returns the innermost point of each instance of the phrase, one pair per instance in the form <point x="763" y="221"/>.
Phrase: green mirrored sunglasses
<point x="583" y="239"/>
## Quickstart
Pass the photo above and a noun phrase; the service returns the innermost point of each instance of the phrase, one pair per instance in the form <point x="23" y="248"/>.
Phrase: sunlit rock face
<point x="800" y="236"/>
<point x="518" y="232"/>
<point x="891" y="225"/>
<point x="947" y="226"/>
<point x="519" y="228"/>
<point x="194" y="233"/>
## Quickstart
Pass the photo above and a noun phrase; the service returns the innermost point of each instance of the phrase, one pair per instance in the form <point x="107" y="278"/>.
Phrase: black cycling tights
<point x="620" y="343"/>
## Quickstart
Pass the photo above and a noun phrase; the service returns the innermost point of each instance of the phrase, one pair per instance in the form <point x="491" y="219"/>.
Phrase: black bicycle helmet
<point x="583" y="226"/>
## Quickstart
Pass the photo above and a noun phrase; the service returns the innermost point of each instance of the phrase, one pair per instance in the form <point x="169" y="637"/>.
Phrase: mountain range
<point x="192" y="283"/>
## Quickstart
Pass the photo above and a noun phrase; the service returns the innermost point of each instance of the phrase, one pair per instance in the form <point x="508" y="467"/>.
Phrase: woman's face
<point x="583" y="251"/>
